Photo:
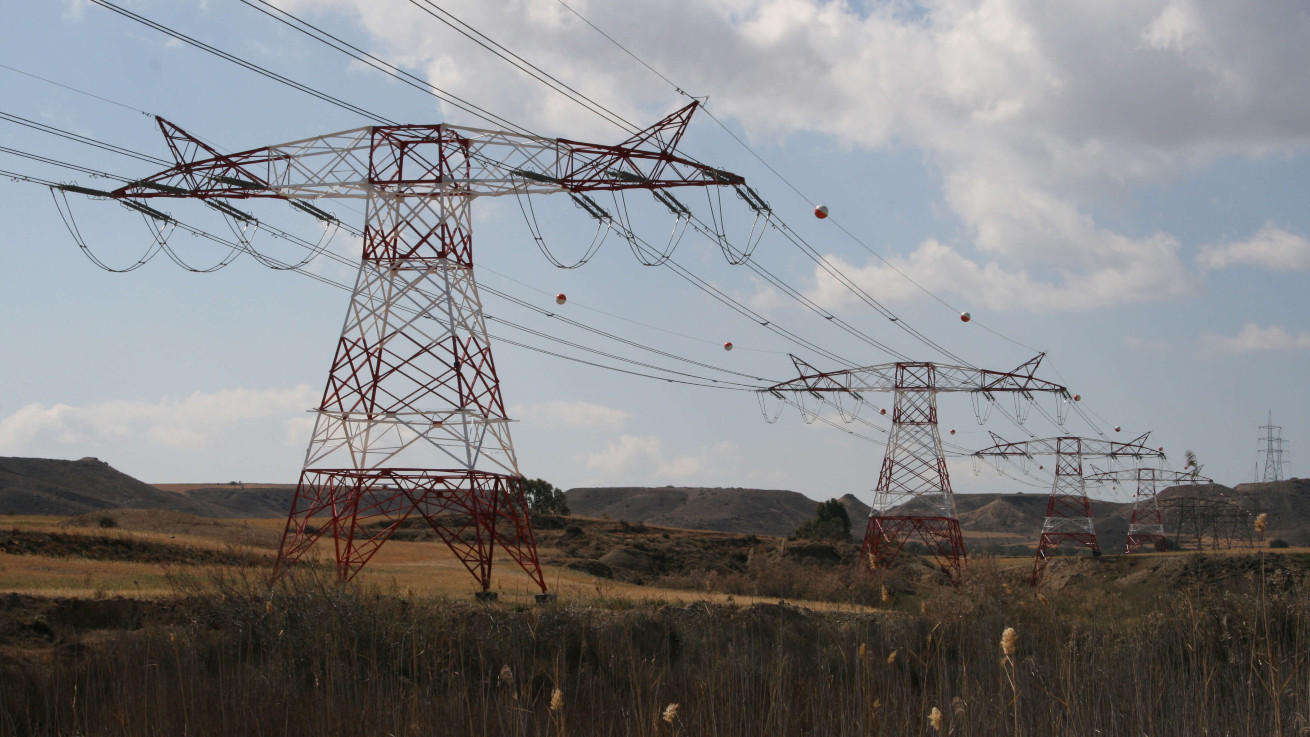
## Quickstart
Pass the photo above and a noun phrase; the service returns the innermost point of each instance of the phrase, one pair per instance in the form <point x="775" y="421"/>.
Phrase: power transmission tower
<point x="1147" y="525"/>
<point x="1068" y="511"/>
<point x="1199" y="517"/>
<point x="914" y="494"/>
<point x="1272" y="451"/>
<point x="412" y="423"/>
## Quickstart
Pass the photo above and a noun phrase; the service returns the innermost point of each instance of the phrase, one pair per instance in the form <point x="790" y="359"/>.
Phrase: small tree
<point x="830" y="523"/>
<point x="544" y="498"/>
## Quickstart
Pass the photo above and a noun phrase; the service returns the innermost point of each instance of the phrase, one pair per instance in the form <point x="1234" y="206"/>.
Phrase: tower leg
<point x="1068" y="512"/>
<point x="885" y="536"/>
<point x="914" y="496"/>
<point x="412" y="427"/>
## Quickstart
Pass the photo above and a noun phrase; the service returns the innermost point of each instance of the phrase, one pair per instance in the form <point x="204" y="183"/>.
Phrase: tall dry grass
<point x="312" y="660"/>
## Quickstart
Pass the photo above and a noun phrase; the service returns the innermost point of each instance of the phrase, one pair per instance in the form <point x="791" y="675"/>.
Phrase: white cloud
<point x="74" y="10"/>
<point x="644" y="461"/>
<point x="193" y="422"/>
<point x="1032" y="112"/>
<point x="1177" y="28"/>
<point x="571" y="414"/>
<point x="1254" y="338"/>
<point x="1130" y="271"/>
<point x="1271" y="248"/>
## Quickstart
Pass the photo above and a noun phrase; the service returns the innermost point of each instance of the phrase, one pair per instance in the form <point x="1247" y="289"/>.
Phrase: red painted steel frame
<point x="413" y="377"/>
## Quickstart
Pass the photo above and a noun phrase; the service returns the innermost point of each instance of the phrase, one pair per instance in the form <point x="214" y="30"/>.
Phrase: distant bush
<point x="1278" y="542"/>
<point x="107" y="521"/>
<point x="830" y="523"/>
<point x="544" y="498"/>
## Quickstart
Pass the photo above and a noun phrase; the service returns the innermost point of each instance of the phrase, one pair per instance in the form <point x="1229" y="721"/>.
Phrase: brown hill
<point x="58" y="487"/>
<point x="66" y="488"/>
<point x="1002" y="519"/>
<point x="239" y="500"/>
<point x="743" y="511"/>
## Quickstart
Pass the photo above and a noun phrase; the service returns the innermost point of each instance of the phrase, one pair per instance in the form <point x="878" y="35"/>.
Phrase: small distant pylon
<point x="1146" y="530"/>
<point x="1068" y="511"/>
<point x="913" y="496"/>
<point x="1272" y="451"/>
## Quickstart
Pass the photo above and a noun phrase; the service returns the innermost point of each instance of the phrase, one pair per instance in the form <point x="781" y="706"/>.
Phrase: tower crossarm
<point x="1158" y="475"/>
<point x="1087" y="447"/>
<point x="427" y="160"/>
<point x="938" y="377"/>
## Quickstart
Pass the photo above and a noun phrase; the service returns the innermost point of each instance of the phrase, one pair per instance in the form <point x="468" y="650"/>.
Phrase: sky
<point x="1120" y="185"/>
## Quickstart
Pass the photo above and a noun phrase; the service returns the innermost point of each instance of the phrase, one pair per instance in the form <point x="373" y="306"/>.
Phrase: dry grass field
<point x="426" y="569"/>
<point x="164" y="624"/>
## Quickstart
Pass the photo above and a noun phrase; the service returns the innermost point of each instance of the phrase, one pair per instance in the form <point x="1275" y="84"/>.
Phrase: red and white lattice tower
<point x="1146" y="529"/>
<point x="914" y="496"/>
<point x="412" y="423"/>
<point x="1068" y="511"/>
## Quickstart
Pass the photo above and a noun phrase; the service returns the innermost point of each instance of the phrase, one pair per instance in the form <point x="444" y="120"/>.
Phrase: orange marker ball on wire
<point x="821" y="211"/>
<point x="727" y="346"/>
<point x="561" y="299"/>
<point x="965" y="317"/>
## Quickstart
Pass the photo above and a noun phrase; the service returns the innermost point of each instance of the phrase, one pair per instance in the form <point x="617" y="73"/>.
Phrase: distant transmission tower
<point x="1272" y="451"/>
<point x="412" y="423"/>
<point x="1068" y="511"/>
<point x="914" y="496"/>
<point x="1146" y="529"/>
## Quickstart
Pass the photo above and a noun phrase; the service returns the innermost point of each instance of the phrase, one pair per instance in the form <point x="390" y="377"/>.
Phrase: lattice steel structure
<point x="914" y="494"/>
<point x="1272" y="451"/>
<point x="412" y="422"/>
<point x="1198" y="518"/>
<point x="1068" y="512"/>
<point x="1146" y="529"/>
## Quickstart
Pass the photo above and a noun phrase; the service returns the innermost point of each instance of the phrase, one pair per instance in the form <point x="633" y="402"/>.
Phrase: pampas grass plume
<point x="670" y="713"/>
<point x="935" y="719"/>
<point x="1008" y="638"/>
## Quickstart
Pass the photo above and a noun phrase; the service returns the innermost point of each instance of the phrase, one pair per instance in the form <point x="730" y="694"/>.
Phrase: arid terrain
<point x="159" y="621"/>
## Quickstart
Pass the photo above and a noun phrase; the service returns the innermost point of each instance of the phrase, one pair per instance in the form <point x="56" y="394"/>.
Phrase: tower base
<point x="1054" y="540"/>
<point x="471" y="511"/>
<point x="1139" y="542"/>
<point x="885" y="536"/>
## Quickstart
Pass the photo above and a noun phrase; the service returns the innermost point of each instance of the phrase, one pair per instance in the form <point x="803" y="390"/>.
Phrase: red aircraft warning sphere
<point x="1116" y="428"/>
<point x="560" y="299"/>
<point x="1077" y="397"/>
<point x="820" y="211"/>
<point x="727" y="346"/>
<point x="952" y="431"/>
<point x="965" y="317"/>
<point x="882" y="411"/>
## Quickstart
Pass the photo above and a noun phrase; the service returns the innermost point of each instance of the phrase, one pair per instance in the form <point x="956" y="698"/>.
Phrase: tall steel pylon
<point x="1068" y="511"/>
<point x="1146" y="528"/>
<point x="1272" y="450"/>
<point x="412" y="422"/>
<point x="914" y="495"/>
